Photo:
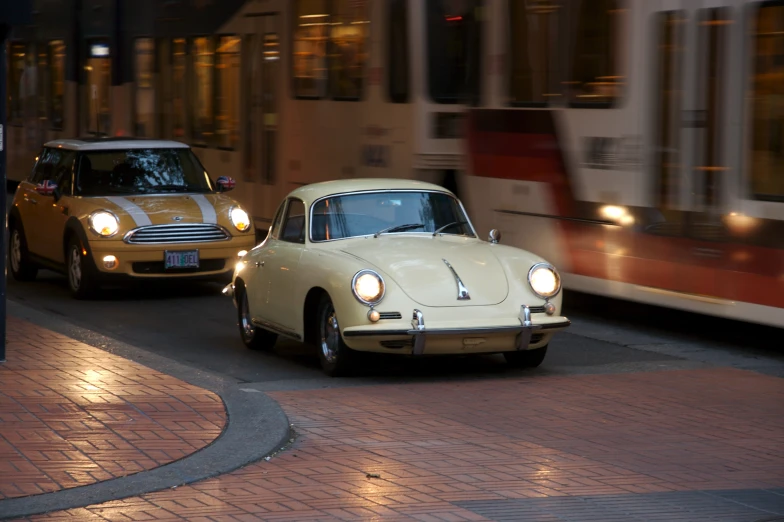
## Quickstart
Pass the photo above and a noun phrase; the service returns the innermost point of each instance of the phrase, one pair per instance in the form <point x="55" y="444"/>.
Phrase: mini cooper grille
<point x="390" y="315"/>
<point x="183" y="233"/>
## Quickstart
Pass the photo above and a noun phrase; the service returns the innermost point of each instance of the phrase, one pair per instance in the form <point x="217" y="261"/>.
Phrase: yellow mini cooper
<point x="107" y="210"/>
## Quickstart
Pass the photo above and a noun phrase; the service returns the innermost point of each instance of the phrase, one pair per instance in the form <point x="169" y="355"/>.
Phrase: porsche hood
<point x="434" y="271"/>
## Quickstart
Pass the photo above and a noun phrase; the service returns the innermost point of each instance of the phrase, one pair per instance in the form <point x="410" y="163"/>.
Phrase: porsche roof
<point x="114" y="144"/>
<point x="316" y="191"/>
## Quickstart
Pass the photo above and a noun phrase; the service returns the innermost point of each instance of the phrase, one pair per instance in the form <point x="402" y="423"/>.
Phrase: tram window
<point x="534" y="78"/>
<point x="203" y="56"/>
<point x="98" y="92"/>
<point x="397" y="51"/>
<point x="145" y="93"/>
<point x="310" y="48"/>
<point x="767" y="100"/>
<point x="16" y="90"/>
<point x="667" y="61"/>
<point x="595" y="81"/>
<point x="57" y="84"/>
<point x="453" y="50"/>
<point x="179" y="86"/>
<point x="227" y="89"/>
<point x="349" y="49"/>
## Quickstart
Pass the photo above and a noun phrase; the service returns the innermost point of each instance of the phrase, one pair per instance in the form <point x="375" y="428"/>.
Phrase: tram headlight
<point x="544" y="280"/>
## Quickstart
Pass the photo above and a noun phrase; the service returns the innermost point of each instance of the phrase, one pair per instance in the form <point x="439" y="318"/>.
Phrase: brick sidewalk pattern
<point x="71" y="414"/>
<point x="428" y="452"/>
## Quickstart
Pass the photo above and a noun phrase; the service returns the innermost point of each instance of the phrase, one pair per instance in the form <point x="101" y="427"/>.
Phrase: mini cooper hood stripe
<point x="139" y="216"/>
<point x="207" y="209"/>
<point x="142" y="219"/>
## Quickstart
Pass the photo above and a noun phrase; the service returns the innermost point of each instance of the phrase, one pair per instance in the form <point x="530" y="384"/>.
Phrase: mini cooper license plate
<point x="181" y="259"/>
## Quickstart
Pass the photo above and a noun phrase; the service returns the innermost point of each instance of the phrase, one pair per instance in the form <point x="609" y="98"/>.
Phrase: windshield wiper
<point x="448" y="225"/>
<point x="399" y="228"/>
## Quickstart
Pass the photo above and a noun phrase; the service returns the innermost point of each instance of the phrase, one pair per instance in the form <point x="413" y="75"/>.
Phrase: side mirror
<point x="46" y="188"/>
<point x="495" y="236"/>
<point x="225" y="183"/>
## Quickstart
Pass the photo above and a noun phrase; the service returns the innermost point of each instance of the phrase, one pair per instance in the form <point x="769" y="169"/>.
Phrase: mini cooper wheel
<point x="82" y="277"/>
<point x="254" y="338"/>
<point x="22" y="269"/>
<point x="336" y="358"/>
<point x="526" y="358"/>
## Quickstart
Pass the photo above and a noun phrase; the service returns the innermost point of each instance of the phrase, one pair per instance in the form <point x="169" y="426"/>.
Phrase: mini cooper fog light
<point x="110" y="262"/>
<point x="374" y="316"/>
<point x="549" y="308"/>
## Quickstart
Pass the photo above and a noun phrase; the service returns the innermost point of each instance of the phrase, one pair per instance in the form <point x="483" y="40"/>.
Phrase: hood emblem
<point x="177" y="218"/>
<point x="462" y="291"/>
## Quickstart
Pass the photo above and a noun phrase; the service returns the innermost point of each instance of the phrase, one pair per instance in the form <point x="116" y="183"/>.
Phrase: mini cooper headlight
<point x="544" y="280"/>
<point x="368" y="287"/>
<point x="104" y="223"/>
<point x="240" y="219"/>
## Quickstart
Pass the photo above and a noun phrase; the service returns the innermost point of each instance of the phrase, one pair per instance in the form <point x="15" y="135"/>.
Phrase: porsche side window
<point x="277" y="221"/>
<point x="294" y="225"/>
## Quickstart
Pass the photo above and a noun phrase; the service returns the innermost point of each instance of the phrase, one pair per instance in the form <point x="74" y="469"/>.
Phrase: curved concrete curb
<point x="256" y="427"/>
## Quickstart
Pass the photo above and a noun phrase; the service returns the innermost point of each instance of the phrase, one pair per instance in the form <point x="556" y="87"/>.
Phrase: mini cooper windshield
<point x="376" y="213"/>
<point x="140" y="171"/>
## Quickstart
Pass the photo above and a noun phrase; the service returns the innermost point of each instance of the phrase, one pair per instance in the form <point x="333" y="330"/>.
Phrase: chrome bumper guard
<point x="524" y="331"/>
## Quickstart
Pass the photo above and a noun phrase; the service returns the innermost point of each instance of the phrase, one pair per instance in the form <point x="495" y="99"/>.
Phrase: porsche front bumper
<point x="510" y="336"/>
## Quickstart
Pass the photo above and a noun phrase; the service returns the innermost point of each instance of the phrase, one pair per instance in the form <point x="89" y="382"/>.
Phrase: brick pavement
<point x="463" y="450"/>
<point x="71" y="414"/>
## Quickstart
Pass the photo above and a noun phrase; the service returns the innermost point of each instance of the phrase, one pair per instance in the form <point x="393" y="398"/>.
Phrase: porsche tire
<point x="526" y="358"/>
<point x="253" y="337"/>
<point x="336" y="358"/>
<point x="19" y="264"/>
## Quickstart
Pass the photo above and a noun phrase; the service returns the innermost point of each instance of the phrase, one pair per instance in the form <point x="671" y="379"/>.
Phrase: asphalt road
<point x="194" y="324"/>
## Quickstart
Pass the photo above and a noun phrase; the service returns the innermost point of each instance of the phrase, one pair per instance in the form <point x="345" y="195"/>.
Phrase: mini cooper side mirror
<point x="46" y="188"/>
<point x="495" y="236"/>
<point x="225" y="183"/>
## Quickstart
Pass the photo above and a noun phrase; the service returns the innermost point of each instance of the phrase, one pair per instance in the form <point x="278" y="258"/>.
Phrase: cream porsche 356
<point x="111" y="210"/>
<point x="392" y="266"/>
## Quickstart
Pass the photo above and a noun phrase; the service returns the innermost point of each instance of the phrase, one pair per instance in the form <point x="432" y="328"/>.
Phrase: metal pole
<point x="3" y="180"/>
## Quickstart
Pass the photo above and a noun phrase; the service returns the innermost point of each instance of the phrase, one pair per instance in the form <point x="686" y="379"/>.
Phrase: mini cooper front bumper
<point x="509" y="337"/>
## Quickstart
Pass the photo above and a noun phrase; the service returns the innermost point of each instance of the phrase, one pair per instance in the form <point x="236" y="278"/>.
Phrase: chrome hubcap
<point x="330" y="335"/>
<point x="75" y="268"/>
<point x="16" y="251"/>
<point x="247" y="326"/>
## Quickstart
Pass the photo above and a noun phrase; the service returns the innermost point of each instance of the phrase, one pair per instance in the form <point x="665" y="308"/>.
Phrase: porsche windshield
<point x="140" y="171"/>
<point x="371" y="213"/>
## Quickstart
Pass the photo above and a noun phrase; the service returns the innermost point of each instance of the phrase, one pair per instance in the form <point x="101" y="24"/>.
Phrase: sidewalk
<point x="684" y="445"/>
<point x="71" y="414"/>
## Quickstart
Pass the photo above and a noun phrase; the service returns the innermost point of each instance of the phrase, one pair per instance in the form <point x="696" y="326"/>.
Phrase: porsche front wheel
<point x="254" y="337"/>
<point x="336" y="358"/>
<point x="526" y="358"/>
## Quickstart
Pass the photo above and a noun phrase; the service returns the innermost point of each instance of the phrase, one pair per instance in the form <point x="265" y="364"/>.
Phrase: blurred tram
<point x="637" y="144"/>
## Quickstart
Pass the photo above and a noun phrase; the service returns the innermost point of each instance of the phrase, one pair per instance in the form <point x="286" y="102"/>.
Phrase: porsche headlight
<point x="104" y="223"/>
<point x="240" y="219"/>
<point x="368" y="287"/>
<point x="544" y="280"/>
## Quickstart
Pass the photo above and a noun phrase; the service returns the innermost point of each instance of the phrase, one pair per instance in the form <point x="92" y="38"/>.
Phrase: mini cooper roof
<point x="312" y="192"/>
<point x="83" y="144"/>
